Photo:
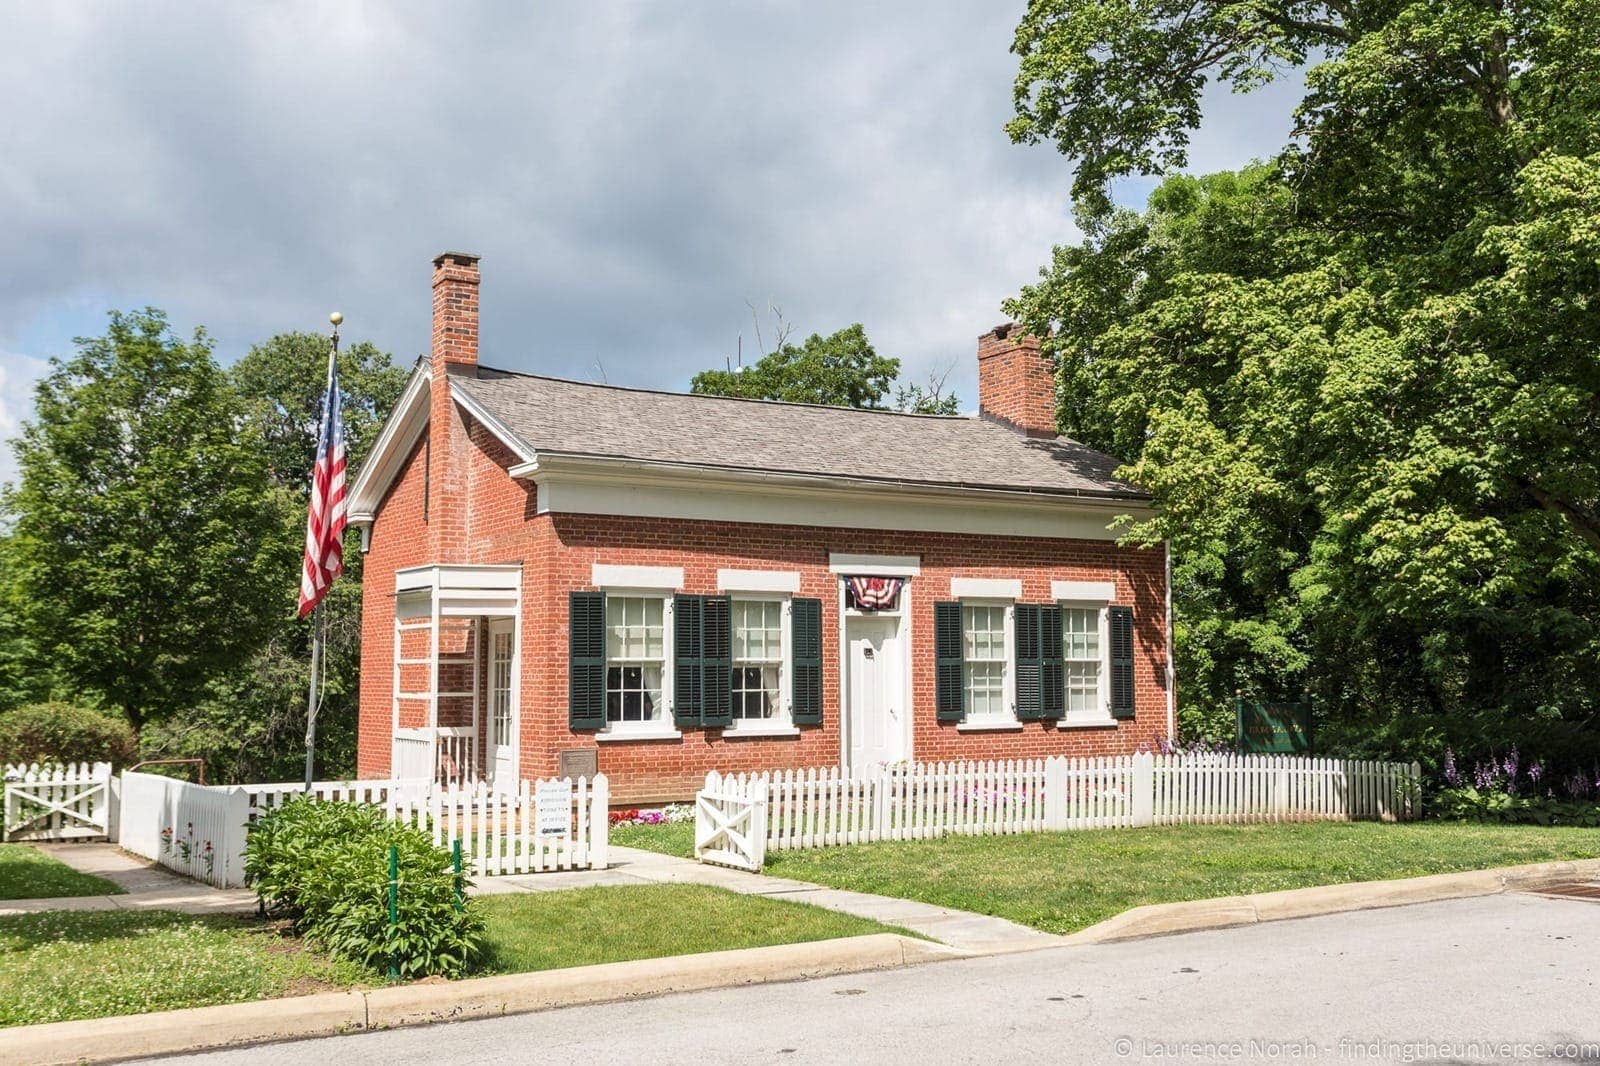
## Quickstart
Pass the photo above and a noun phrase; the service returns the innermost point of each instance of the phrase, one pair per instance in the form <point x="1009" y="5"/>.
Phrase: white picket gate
<point x="730" y="823"/>
<point x="200" y="830"/>
<point x="57" y="802"/>
<point x="825" y="807"/>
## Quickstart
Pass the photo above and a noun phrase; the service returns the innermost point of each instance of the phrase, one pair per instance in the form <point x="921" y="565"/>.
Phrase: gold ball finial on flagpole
<point x="336" y="318"/>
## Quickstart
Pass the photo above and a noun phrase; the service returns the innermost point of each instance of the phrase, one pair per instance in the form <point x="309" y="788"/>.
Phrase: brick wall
<point x="557" y="553"/>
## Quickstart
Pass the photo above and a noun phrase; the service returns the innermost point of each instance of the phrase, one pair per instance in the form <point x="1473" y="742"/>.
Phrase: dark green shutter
<point x="1030" y="698"/>
<point x="1121" y="626"/>
<point x="716" y="666"/>
<point x="586" y="660"/>
<point x="1052" y="671"/>
<point x="687" y="694"/>
<point x="805" y="640"/>
<point x="947" y="688"/>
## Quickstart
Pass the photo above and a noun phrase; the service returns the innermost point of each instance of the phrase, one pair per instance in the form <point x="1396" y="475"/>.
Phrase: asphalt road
<point x="1408" y="984"/>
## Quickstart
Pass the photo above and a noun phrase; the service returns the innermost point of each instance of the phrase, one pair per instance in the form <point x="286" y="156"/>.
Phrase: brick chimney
<point x="455" y="349"/>
<point x="455" y="309"/>
<point x="1016" y="382"/>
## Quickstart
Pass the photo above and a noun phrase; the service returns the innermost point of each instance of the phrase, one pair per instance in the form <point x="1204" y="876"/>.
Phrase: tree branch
<point x="1585" y="525"/>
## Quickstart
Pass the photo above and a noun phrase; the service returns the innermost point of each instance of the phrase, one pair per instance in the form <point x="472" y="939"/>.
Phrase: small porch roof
<point x="458" y="590"/>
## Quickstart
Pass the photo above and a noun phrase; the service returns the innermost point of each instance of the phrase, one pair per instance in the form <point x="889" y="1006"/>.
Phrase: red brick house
<point x="563" y="574"/>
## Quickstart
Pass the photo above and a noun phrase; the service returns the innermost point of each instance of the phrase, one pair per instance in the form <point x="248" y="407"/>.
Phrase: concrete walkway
<point x="147" y="886"/>
<point x="978" y="933"/>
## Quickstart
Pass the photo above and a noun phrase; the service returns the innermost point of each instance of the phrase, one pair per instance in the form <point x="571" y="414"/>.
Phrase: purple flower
<point x="1511" y="764"/>
<point x="1535" y="771"/>
<point x="1452" y="776"/>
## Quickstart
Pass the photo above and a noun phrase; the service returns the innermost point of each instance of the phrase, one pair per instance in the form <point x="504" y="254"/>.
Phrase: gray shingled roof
<point x="555" y="416"/>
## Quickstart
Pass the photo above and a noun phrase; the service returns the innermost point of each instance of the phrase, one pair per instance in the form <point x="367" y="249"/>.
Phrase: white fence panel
<point x="57" y="802"/>
<point x="814" y="807"/>
<point x="557" y="824"/>
<point x="194" y="829"/>
<point x="547" y="825"/>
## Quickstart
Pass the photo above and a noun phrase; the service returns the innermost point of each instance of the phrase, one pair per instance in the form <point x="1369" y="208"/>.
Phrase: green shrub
<point x="1469" y="803"/>
<point x="62" y="732"/>
<point x="326" y="866"/>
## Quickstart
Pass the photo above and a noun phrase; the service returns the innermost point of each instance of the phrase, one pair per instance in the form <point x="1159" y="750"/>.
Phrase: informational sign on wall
<point x="1274" y="728"/>
<point x="553" y="807"/>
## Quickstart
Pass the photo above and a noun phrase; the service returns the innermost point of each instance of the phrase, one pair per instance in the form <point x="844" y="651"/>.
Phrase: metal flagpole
<point x="313" y="693"/>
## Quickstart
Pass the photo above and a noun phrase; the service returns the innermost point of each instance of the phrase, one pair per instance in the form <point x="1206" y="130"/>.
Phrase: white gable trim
<point x="400" y="434"/>
<point x="523" y="453"/>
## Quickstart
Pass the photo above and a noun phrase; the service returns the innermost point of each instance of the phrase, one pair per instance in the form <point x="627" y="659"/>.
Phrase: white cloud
<point x="18" y="373"/>
<point x="631" y="174"/>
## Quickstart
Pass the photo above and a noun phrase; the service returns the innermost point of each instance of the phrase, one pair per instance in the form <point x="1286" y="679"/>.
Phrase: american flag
<point x="326" y="521"/>
<point x="875" y="593"/>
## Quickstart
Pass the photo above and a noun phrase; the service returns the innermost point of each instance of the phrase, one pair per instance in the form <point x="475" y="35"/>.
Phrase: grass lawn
<point x="578" y="927"/>
<point x="672" y="838"/>
<point x="1062" y="882"/>
<point x="61" y="965"/>
<point x="26" y="873"/>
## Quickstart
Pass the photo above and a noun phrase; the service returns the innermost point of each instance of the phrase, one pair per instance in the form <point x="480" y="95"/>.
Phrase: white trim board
<point x="875" y="565"/>
<point x="608" y="575"/>
<point x="994" y="588"/>
<point x="759" y="581"/>
<point x="630" y="488"/>
<point x="1084" y="591"/>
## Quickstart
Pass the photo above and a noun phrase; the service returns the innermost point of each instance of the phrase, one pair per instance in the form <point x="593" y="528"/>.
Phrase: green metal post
<point x="455" y="855"/>
<point x="394" y="896"/>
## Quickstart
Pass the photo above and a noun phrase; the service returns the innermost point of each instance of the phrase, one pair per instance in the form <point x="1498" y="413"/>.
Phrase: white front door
<point x="874" y="693"/>
<point x="502" y="740"/>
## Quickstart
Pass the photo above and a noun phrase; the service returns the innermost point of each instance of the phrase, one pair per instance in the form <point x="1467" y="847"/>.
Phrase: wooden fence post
<point x="599" y="823"/>
<point x="1055" y="792"/>
<point x="1142" y="781"/>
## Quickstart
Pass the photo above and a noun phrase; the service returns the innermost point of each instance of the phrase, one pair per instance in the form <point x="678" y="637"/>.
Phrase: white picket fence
<point x="200" y="830"/>
<point x="826" y="807"/>
<point x="57" y="802"/>
<point x="545" y="825"/>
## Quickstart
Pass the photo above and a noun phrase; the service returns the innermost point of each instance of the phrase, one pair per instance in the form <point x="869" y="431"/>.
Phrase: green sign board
<point x="1275" y="728"/>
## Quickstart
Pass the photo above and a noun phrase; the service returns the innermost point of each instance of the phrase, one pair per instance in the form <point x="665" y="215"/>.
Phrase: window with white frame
<point x="757" y="661"/>
<point x="984" y="661"/>
<point x="636" y="649"/>
<point x="1083" y="657"/>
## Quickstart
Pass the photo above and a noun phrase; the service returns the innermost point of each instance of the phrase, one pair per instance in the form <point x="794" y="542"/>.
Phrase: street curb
<point x="327" y="1014"/>
<point x="1164" y="919"/>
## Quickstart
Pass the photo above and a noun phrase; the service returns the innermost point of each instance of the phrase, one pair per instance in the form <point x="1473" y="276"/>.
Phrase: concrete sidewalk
<point x="978" y="933"/>
<point x="148" y="886"/>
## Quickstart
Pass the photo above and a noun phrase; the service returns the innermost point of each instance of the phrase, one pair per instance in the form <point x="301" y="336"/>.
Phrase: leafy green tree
<point x="1360" y="379"/>
<point x="251" y="727"/>
<point x="840" y="370"/>
<point x="282" y="381"/>
<point x="148" y="539"/>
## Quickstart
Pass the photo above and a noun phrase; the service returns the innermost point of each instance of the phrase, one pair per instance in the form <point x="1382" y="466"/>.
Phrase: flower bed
<point x="673" y="812"/>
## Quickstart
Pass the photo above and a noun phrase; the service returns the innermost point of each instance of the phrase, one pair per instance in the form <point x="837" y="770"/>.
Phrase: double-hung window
<point x="758" y="648"/>
<point x="636" y="651"/>
<point x="1083" y="656"/>
<point x="985" y="660"/>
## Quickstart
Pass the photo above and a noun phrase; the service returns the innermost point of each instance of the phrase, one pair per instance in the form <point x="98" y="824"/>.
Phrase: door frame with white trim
<point x="504" y="725"/>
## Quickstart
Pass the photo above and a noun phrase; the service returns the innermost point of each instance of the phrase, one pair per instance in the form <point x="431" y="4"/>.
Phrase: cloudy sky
<point x="634" y="176"/>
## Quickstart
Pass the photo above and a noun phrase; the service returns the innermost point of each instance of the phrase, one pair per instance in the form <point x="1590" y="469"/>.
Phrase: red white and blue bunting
<point x="874" y="593"/>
